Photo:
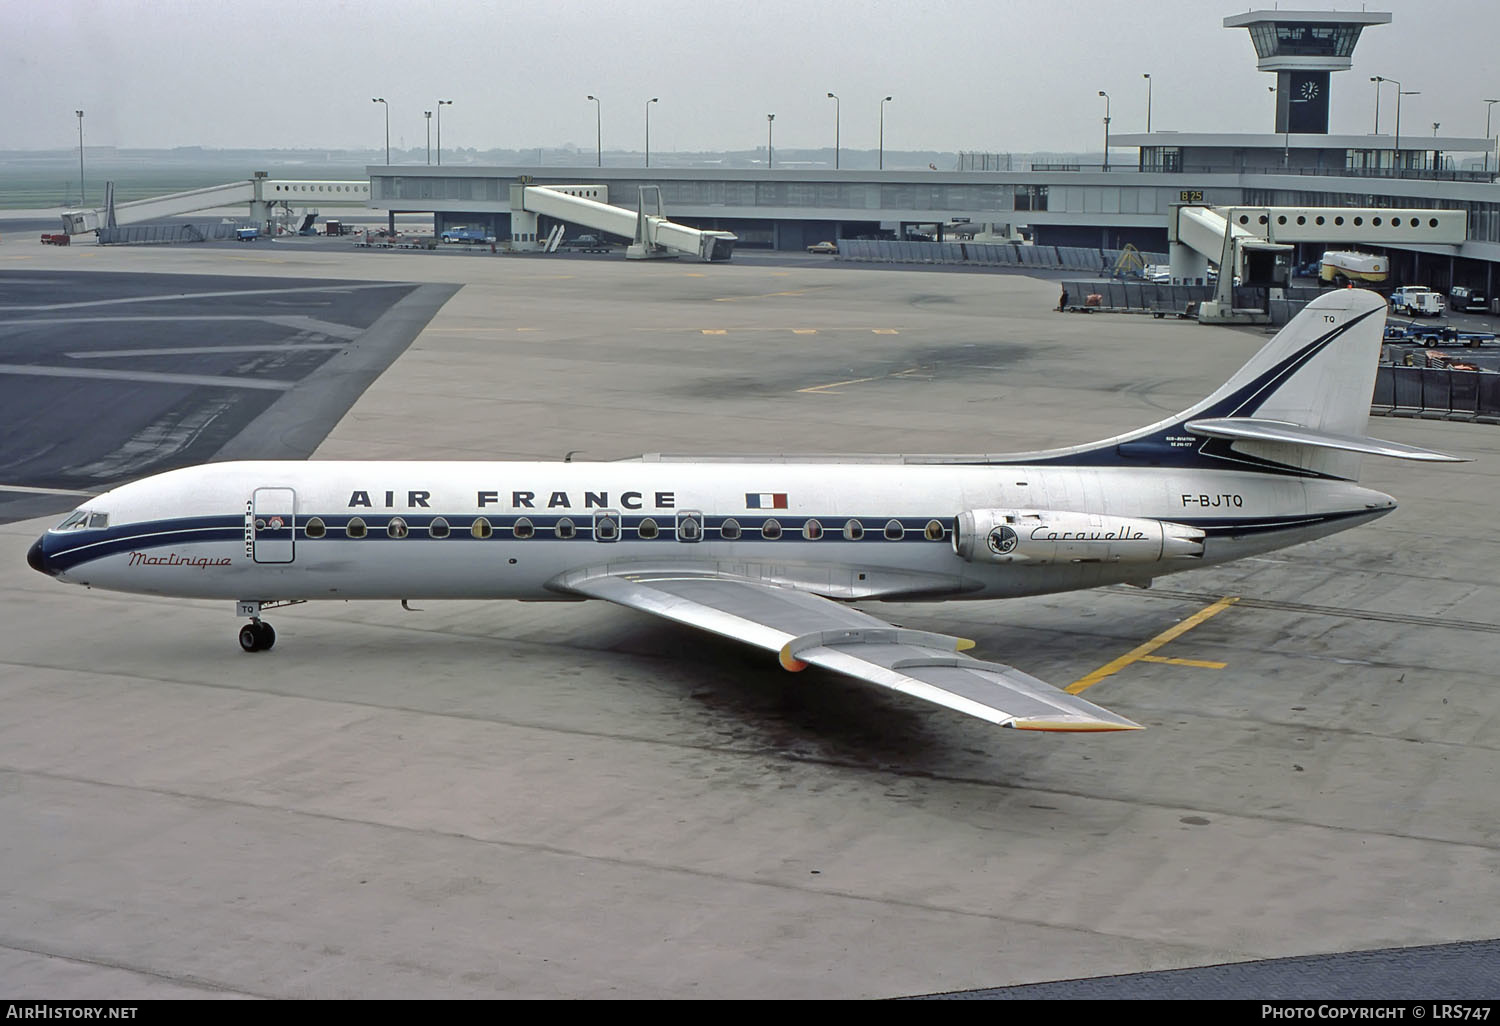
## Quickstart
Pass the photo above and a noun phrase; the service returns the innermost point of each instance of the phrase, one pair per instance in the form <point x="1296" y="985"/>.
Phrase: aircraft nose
<point x="37" y="559"/>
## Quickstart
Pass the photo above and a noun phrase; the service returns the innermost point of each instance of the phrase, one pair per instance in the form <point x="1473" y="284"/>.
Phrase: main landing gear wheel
<point x="257" y="636"/>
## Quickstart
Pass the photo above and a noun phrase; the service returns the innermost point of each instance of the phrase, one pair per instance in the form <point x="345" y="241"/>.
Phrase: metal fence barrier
<point x="1441" y="393"/>
<point x="1437" y="393"/>
<point x="998" y="254"/>
<point x="1434" y="393"/>
<point x="1132" y="296"/>
<point x="1144" y="296"/>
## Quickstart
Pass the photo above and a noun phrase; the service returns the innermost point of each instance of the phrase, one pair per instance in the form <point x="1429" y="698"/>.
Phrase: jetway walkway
<point x="1253" y="244"/>
<point x="647" y="225"/>
<point x="259" y="193"/>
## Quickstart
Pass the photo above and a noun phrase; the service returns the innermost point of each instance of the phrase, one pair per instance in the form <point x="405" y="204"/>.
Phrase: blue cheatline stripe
<point x="158" y="534"/>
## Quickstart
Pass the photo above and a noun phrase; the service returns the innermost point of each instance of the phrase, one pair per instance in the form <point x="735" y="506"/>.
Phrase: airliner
<point x="774" y="550"/>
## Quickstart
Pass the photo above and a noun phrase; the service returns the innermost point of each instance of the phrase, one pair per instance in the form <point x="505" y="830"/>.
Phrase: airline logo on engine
<point x="1002" y="540"/>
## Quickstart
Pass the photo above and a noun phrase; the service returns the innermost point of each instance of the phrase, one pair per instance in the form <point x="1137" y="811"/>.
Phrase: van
<point x="1465" y="297"/>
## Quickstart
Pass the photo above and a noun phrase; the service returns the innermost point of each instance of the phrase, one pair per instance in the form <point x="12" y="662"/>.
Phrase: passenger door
<point x="272" y="525"/>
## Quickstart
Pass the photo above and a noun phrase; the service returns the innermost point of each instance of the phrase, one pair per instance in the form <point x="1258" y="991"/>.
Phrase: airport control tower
<point x="1302" y="47"/>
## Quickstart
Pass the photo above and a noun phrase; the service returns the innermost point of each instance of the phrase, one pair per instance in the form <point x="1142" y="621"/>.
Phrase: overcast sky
<point x="993" y="75"/>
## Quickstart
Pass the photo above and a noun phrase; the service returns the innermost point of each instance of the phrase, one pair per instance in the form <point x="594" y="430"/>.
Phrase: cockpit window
<point x="84" y="520"/>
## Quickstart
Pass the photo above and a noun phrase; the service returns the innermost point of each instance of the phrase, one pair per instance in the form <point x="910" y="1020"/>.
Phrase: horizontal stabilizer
<point x="1253" y="429"/>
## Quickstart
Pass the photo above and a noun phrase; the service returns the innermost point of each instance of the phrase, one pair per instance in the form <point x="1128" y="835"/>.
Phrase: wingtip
<point x="1074" y="726"/>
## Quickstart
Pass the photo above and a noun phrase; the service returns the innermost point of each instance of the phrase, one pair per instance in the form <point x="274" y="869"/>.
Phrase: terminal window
<point x="1031" y="197"/>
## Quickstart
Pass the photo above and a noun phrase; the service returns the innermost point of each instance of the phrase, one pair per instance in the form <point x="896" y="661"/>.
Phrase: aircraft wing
<point x="805" y="629"/>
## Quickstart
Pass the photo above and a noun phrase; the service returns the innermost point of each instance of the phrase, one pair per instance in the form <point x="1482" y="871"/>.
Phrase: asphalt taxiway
<point x="480" y="800"/>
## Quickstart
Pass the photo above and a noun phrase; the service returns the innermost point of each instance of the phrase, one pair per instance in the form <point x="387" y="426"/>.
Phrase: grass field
<point x="35" y="182"/>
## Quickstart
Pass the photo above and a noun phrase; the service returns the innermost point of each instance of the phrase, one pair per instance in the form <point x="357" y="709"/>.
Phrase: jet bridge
<point x="1253" y="243"/>
<point x="652" y="234"/>
<point x="261" y="193"/>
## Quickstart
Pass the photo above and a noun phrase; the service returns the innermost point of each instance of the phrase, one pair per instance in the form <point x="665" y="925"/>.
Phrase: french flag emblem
<point x="765" y="500"/>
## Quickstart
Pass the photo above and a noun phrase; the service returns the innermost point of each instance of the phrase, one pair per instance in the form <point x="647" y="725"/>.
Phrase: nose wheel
<point x="257" y="636"/>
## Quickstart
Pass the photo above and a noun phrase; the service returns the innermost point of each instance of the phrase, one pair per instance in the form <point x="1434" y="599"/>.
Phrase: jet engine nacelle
<point x="1047" y="536"/>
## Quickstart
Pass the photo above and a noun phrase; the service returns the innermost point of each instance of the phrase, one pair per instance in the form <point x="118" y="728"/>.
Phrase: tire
<point x="249" y="638"/>
<point x="267" y="636"/>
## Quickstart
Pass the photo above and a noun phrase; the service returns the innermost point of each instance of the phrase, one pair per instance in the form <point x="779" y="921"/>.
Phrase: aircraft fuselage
<point x="371" y="530"/>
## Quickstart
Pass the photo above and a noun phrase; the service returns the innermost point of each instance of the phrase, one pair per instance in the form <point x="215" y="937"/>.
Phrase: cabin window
<point x="812" y="530"/>
<point x="523" y="528"/>
<point x="438" y="528"/>
<point x="396" y="528"/>
<point x="565" y="529"/>
<point x="934" y="531"/>
<point x="729" y="530"/>
<point x="607" y="526"/>
<point x="894" y="531"/>
<point x="481" y="528"/>
<point x="314" y="528"/>
<point x="355" y="528"/>
<point x="689" y="526"/>
<point x="854" y="530"/>
<point x="771" y="530"/>
<point x="648" y="529"/>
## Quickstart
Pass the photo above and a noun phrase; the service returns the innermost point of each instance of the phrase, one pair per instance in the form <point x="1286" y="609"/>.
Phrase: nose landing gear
<point x="257" y="636"/>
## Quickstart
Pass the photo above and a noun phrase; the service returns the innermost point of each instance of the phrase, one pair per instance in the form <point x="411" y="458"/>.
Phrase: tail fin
<point x="1318" y="372"/>
<point x="1299" y="406"/>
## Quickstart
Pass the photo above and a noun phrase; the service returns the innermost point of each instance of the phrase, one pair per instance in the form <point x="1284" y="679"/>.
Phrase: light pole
<point x="836" y="106"/>
<point x="648" y="128"/>
<point x="1400" y="93"/>
<point x="80" y="158"/>
<point x="1147" y="77"/>
<point x="598" y="131"/>
<point x="440" y="105"/>
<point x="387" y="106"/>
<point x="1377" y="80"/>
<point x="882" y="131"/>
<point x="1106" y="128"/>
<point x="1435" y="126"/>
<point x="770" y="153"/>
<point x="428" y="115"/>
<point x="1488" y="106"/>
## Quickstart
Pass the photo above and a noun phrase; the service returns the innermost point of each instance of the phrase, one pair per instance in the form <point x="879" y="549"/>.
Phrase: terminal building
<point x="1107" y="205"/>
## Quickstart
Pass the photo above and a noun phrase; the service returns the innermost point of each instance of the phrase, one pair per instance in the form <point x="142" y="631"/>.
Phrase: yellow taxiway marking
<point x="714" y="331"/>
<point x="804" y="331"/>
<point x="1202" y="664"/>
<point x="693" y="274"/>
<point x="884" y="331"/>
<point x="763" y="295"/>
<point x="1143" y="652"/>
<point x="823" y="389"/>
